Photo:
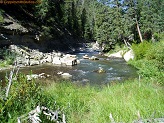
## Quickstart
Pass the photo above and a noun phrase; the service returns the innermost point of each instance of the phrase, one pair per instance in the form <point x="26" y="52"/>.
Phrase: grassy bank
<point x="86" y="104"/>
<point x="123" y="101"/>
<point x="149" y="59"/>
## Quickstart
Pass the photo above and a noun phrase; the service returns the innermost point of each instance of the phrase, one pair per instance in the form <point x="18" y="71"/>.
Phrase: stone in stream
<point x="66" y="75"/>
<point x="85" y="57"/>
<point x="36" y="76"/>
<point x="100" y="70"/>
<point x="94" y="58"/>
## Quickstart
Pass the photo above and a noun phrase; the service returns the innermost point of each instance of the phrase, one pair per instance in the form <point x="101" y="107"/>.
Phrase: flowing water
<point x="116" y="69"/>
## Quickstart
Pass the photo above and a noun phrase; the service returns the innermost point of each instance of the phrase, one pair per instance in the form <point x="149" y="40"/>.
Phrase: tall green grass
<point x="123" y="101"/>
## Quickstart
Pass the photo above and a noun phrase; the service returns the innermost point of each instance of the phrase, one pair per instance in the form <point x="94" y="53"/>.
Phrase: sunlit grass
<point x="122" y="100"/>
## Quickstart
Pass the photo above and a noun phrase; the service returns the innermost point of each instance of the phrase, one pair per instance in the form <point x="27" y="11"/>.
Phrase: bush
<point x="23" y="97"/>
<point x="7" y="57"/>
<point x="1" y="17"/>
<point x="141" y="49"/>
<point x="156" y="53"/>
<point x="149" y="59"/>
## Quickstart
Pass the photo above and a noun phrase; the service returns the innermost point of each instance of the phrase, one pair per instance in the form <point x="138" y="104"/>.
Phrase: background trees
<point x="109" y="22"/>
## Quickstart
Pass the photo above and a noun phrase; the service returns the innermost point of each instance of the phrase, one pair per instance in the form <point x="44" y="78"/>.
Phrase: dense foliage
<point x="107" y="21"/>
<point x="6" y="57"/>
<point x="1" y="17"/>
<point x="149" y="59"/>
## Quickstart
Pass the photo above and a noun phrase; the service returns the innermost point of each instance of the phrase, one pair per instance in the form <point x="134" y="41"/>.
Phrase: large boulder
<point x="129" y="55"/>
<point x="57" y="60"/>
<point x="34" y="62"/>
<point x="48" y="58"/>
<point x="118" y="54"/>
<point x="69" y="60"/>
<point x="22" y="61"/>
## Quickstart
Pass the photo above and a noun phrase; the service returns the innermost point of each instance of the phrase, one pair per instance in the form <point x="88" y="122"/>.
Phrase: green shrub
<point x="141" y="49"/>
<point x="1" y="17"/>
<point x="156" y="53"/>
<point x="8" y="57"/>
<point x="150" y="60"/>
<point x="23" y="97"/>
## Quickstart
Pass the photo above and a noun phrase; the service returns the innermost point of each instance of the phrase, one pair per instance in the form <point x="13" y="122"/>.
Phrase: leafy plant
<point x="149" y="59"/>
<point x="1" y="17"/>
<point x="141" y="49"/>
<point x="23" y="96"/>
<point x="8" y="57"/>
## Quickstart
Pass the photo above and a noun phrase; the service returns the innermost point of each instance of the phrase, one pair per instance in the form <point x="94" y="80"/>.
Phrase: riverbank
<point x="137" y="100"/>
<point x="122" y="100"/>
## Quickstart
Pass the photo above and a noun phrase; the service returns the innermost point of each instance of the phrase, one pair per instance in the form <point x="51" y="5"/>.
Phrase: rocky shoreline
<point x="31" y="57"/>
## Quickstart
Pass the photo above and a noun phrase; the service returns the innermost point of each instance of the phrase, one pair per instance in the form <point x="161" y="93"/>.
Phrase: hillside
<point x="22" y="27"/>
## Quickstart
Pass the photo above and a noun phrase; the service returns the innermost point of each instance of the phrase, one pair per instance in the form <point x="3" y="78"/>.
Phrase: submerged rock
<point x="100" y="70"/>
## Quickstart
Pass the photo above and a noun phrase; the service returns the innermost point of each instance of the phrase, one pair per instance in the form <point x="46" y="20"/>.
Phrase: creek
<point x="116" y="69"/>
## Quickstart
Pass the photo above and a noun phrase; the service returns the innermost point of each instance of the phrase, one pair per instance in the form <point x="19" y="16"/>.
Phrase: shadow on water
<point x="116" y="70"/>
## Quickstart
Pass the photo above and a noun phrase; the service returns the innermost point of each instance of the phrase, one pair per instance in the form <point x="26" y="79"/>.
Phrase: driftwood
<point x="34" y="115"/>
<point x="140" y="120"/>
<point x="10" y="79"/>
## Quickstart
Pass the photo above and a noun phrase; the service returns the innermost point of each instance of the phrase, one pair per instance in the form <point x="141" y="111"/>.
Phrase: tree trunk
<point x="139" y="32"/>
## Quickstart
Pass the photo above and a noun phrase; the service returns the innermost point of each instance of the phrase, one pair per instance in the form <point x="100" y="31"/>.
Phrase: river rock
<point x="100" y="70"/>
<point x="33" y="62"/>
<point x="57" y="60"/>
<point x="94" y="58"/>
<point x="21" y="61"/>
<point x="32" y="76"/>
<point x="66" y="75"/>
<point x="48" y="58"/>
<point x="36" y="76"/>
<point x="129" y="55"/>
<point x="69" y="60"/>
<point x="35" y="57"/>
<point x="118" y="54"/>
<point x="78" y="61"/>
<point x="86" y="57"/>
